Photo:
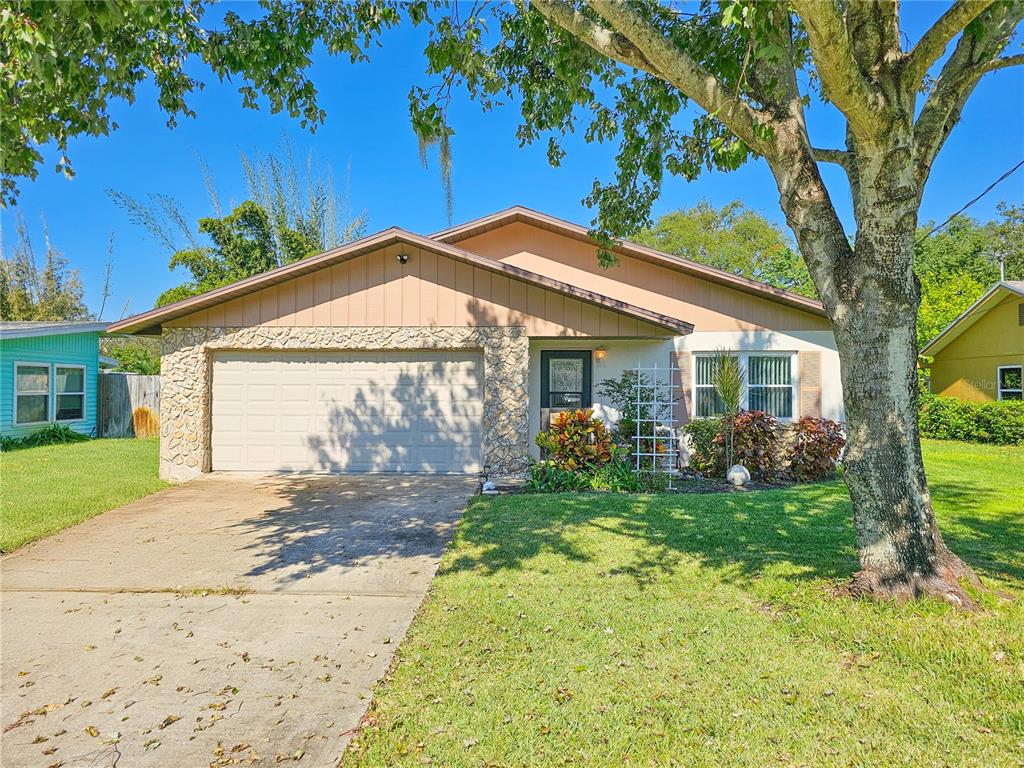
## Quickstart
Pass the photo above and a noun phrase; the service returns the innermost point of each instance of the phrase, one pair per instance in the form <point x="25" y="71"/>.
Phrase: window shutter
<point x="682" y="379"/>
<point x="810" y="384"/>
<point x="1020" y="314"/>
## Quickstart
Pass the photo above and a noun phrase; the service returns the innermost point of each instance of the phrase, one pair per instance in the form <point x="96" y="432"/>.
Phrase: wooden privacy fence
<point x="129" y="405"/>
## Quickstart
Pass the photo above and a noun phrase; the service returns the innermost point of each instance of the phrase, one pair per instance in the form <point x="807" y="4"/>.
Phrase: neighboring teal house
<point x="48" y="374"/>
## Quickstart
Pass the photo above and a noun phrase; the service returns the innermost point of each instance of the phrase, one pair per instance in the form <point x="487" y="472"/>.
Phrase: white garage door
<point x="376" y="411"/>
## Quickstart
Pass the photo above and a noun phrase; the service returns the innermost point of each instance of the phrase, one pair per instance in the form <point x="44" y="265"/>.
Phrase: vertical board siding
<point x="376" y="289"/>
<point x="70" y="349"/>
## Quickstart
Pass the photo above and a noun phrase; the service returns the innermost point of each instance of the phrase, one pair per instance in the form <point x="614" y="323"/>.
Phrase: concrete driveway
<point x="228" y="621"/>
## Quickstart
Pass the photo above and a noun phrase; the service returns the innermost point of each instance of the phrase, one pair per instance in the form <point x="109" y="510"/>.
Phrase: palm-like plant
<point x="728" y="377"/>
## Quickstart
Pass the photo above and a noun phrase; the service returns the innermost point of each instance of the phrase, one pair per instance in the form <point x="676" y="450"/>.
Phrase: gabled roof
<point x="21" y="329"/>
<point x="150" y="322"/>
<point x="973" y="314"/>
<point x="521" y="214"/>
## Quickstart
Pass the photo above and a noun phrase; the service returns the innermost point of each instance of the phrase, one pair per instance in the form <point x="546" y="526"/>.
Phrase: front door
<point x="565" y="382"/>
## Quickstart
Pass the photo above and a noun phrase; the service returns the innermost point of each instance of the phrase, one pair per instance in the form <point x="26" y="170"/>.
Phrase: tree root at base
<point x="945" y="585"/>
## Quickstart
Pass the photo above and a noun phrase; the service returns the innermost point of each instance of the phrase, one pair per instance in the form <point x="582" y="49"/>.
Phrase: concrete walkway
<point x="228" y="621"/>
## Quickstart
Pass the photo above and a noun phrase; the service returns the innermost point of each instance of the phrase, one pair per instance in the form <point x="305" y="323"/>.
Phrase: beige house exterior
<point x="980" y="355"/>
<point x="406" y="353"/>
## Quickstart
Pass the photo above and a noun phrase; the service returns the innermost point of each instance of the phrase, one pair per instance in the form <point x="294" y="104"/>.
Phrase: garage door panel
<point x="352" y="411"/>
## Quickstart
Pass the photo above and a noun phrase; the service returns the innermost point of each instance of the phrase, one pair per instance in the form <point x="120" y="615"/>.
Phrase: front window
<point x="768" y="385"/>
<point x="708" y="401"/>
<point x="31" y="393"/>
<point x="70" y="389"/>
<point x="1010" y="386"/>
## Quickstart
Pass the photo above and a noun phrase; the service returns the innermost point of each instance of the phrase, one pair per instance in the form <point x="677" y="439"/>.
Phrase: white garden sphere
<point x="738" y="475"/>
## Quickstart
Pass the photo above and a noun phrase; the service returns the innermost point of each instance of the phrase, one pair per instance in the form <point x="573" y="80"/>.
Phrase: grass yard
<point x="44" y="490"/>
<point x="700" y="631"/>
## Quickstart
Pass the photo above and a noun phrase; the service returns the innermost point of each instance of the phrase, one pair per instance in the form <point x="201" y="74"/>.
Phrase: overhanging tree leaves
<point x="627" y="71"/>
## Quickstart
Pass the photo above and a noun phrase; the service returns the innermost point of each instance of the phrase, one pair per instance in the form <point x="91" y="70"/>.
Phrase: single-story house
<point x="442" y="353"/>
<point x="48" y="375"/>
<point x="980" y="355"/>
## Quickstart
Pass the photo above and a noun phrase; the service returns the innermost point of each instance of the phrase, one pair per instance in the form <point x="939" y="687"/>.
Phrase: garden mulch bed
<point x="683" y="483"/>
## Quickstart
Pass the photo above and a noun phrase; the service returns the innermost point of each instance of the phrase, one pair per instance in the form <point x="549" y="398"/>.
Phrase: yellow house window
<point x="1009" y="378"/>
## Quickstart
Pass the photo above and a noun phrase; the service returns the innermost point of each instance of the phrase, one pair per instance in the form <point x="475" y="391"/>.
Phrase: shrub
<point x="706" y="454"/>
<point x="576" y="439"/>
<point x="949" y="418"/>
<point x="54" y="434"/>
<point x="755" y="443"/>
<point x="617" y="476"/>
<point x="815" y="448"/>
<point x="548" y="477"/>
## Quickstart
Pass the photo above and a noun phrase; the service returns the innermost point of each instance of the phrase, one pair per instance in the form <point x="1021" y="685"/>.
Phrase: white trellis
<point x="656" y="445"/>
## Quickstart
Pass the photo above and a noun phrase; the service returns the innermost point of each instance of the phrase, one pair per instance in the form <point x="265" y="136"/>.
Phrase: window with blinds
<point x="708" y="401"/>
<point x="769" y="385"/>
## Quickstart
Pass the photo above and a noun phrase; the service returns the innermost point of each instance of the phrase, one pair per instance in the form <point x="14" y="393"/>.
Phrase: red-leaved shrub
<point x="576" y="439"/>
<point x="815" y="448"/>
<point x="755" y="443"/>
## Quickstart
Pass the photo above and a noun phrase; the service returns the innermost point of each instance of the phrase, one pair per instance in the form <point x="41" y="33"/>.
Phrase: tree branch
<point x="1006" y="61"/>
<point x="603" y="40"/>
<point x="676" y="67"/>
<point x="974" y="55"/>
<point x="873" y="29"/>
<point x="934" y="42"/>
<point x="838" y="156"/>
<point x="841" y="77"/>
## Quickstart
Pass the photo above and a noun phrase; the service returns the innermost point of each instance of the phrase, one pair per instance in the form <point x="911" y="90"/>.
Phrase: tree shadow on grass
<point x="991" y="542"/>
<point x="799" y="534"/>
<point x="738" y="534"/>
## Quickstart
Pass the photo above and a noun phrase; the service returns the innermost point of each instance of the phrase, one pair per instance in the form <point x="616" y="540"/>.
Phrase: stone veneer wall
<point x="185" y="374"/>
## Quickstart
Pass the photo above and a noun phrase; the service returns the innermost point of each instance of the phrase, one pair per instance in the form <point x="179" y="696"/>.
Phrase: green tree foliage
<point x="64" y="63"/>
<point x="735" y="239"/>
<point x="133" y="354"/>
<point x="243" y="245"/>
<point x="29" y="291"/>
<point x="292" y="212"/>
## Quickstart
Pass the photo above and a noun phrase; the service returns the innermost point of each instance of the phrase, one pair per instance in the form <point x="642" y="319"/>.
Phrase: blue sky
<point x="367" y="130"/>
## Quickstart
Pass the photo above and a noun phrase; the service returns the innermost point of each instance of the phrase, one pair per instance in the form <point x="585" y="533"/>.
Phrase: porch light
<point x="600" y="353"/>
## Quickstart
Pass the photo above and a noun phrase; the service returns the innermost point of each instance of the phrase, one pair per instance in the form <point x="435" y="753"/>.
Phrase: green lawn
<point x="701" y="631"/>
<point x="44" y="490"/>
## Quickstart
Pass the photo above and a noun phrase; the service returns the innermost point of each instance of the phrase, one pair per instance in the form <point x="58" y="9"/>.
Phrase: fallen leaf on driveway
<point x="92" y="731"/>
<point x="169" y="720"/>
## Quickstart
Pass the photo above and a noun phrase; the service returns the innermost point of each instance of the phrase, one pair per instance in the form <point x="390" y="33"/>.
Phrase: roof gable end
<point x="152" y="321"/>
<point x="992" y="298"/>
<point x="523" y="215"/>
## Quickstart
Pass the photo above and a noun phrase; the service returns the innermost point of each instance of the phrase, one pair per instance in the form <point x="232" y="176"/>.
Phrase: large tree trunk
<point x="872" y="296"/>
<point x="902" y="553"/>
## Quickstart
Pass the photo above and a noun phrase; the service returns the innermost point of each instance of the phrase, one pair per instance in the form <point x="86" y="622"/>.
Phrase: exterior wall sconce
<point x="403" y="257"/>
<point x="600" y="353"/>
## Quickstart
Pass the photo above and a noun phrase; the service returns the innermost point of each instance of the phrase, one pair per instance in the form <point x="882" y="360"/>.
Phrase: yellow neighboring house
<point x="980" y="355"/>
